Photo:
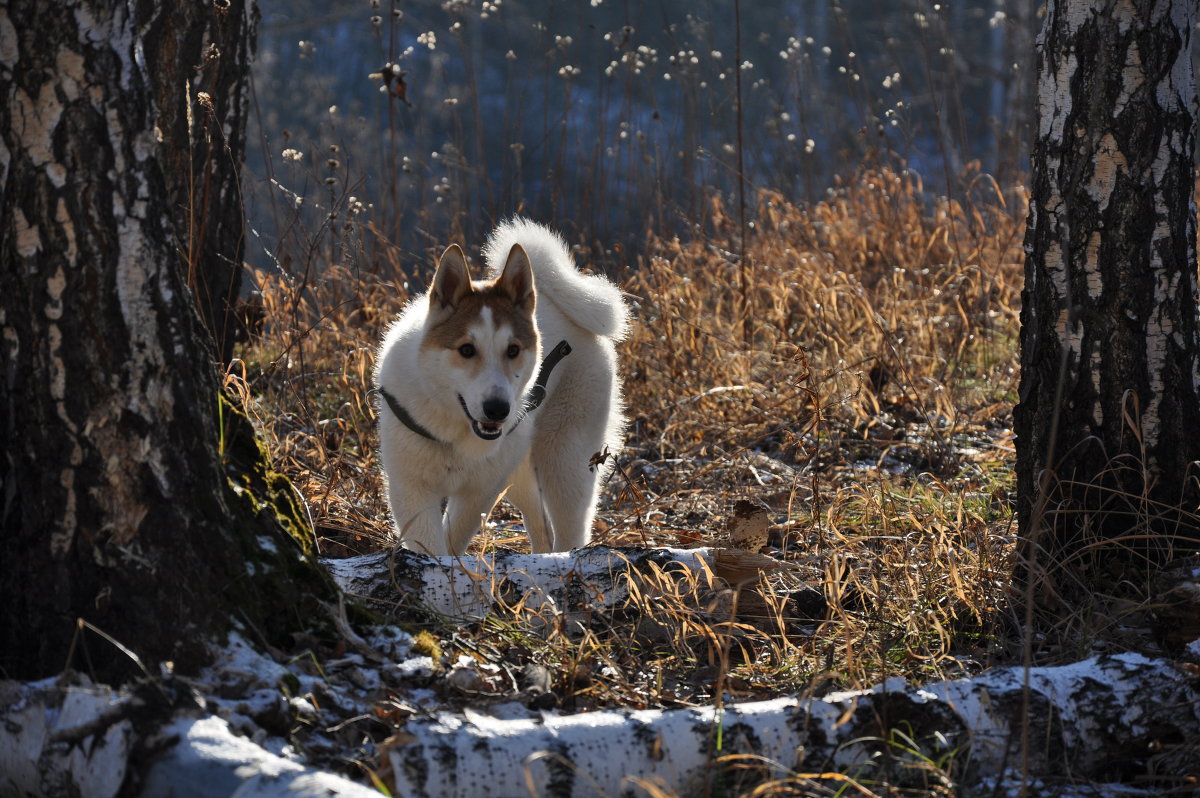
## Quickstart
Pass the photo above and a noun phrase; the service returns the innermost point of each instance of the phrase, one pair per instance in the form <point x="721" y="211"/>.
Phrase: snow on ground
<point x="211" y="761"/>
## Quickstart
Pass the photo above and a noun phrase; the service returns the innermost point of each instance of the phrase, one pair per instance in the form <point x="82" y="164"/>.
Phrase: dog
<point x="505" y="382"/>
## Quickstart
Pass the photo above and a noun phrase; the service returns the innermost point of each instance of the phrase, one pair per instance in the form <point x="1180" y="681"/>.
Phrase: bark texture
<point x="584" y="580"/>
<point x="198" y="56"/>
<point x="128" y="498"/>
<point x="1107" y="719"/>
<point x="1109" y="303"/>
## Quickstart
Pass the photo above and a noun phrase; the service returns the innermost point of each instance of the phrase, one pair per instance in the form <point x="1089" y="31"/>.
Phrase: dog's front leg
<point x="465" y="513"/>
<point x="417" y="515"/>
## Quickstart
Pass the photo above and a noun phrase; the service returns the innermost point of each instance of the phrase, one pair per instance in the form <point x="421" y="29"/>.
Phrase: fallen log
<point x="474" y="586"/>
<point x="1101" y="719"/>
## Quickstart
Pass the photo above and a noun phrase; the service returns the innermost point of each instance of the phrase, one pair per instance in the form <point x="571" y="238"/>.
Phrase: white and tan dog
<point x="506" y="381"/>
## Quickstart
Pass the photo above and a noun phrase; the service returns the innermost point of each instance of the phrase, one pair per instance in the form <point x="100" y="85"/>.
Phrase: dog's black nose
<point x="495" y="409"/>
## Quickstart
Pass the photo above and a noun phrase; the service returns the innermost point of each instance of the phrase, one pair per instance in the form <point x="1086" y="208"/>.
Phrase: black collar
<point x="538" y="392"/>
<point x="404" y="417"/>
<point x="536" y="395"/>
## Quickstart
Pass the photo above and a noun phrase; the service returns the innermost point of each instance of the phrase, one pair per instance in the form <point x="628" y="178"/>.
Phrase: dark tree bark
<point x="200" y="54"/>
<point x="131" y="496"/>
<point x="1108" y="419"/>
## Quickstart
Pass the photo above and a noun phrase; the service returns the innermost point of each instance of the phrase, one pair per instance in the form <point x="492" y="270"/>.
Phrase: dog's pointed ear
<point x="516" y="281"/>
<point x="452" y="280"/>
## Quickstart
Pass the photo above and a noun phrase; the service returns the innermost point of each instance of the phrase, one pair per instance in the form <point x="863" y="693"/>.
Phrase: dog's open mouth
<point x="488" y="430"/>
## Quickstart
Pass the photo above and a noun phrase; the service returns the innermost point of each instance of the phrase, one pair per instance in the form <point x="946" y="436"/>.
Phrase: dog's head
<point x="483" y="339"/>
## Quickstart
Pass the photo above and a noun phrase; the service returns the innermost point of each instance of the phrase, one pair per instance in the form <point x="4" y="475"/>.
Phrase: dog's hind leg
<point x="526" y="494"/>
<point x="580" y="420"/>
<point x="570" y="490"/>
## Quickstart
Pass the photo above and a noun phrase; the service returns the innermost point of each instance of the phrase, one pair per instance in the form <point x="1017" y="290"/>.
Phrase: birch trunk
<point x="128" y="497"/>
<point x="199" y="55"/>
<point x="1109" y="305"/>
<point x="587" y="579"/>
<point x="1107" y="719"/>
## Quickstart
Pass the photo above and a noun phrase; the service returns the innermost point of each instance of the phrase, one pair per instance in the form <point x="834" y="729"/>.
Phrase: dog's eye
<point x="513" y="351"/>
<point x="467" y="350"/>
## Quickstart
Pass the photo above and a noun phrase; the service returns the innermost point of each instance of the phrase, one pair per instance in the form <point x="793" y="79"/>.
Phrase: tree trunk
<point x="1116" y="719"/>
<point x="585" y="580"/>
<point x="130" y="496"/>
<point x="199" y="55"/>
<point x="1108" y="412"/>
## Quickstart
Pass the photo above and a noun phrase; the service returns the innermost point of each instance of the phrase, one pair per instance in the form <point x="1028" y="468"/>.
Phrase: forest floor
<point x="836" y="400"/>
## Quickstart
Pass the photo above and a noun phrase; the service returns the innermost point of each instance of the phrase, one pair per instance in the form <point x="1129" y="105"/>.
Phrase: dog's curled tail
<point x="591" y="301"/>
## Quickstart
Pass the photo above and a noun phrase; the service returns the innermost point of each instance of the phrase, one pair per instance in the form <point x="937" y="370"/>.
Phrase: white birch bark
<point x="118" y="484"/>
<point x="1110" y="347"/>
<point x="1085" y="716"/>
<point x="472" y="587"/>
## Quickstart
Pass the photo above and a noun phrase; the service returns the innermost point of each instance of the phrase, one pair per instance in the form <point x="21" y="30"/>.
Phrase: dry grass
<point x="853" y="381"/>
<point x="310" y="371"/>
<point x="857" y="315"/>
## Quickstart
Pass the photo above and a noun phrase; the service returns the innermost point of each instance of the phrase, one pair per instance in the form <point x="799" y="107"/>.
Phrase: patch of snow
<point x="888" y="464"/>
<point x="33" y="762"/>
<point x="239" y="656"/>
<point x="390" y="642"/>
<point x="415" y="666"/>
<point x="303" y="707"/>
<point x="213" y="762"/>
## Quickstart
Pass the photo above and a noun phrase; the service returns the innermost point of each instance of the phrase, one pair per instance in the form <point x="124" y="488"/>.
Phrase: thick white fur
<point x="589" y="301"/>
<point x="544" y="457"/>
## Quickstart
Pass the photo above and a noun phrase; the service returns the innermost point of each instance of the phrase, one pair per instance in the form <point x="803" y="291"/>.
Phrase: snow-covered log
<point x="588" y="578"/>
<point x="1085" y="717"/>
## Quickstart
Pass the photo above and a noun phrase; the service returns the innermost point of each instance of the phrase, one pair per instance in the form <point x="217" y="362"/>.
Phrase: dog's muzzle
<point x="495" y="411"/>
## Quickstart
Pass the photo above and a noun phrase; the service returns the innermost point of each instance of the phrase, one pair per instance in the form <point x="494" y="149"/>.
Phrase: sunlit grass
<point x="856" y="390"/>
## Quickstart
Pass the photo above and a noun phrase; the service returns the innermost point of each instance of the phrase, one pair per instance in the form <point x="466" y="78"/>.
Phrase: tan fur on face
<point x="459" y="302"/>
<point x="455" y="330"/>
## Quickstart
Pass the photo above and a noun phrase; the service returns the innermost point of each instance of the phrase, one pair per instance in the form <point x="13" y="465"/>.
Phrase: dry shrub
<point x="874" y="302"/>
<point x="853" y="374"/>
<point x="309" y="376"/>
